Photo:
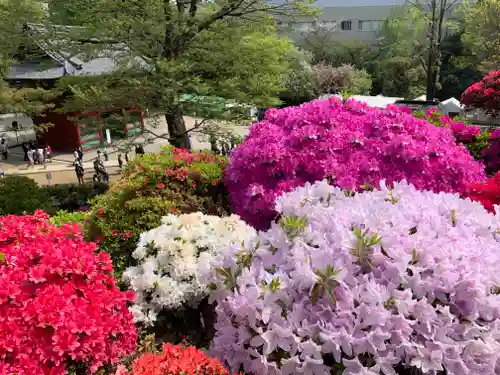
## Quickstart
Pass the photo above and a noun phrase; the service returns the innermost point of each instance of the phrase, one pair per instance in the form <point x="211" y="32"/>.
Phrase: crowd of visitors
<point x="36" y="154"/>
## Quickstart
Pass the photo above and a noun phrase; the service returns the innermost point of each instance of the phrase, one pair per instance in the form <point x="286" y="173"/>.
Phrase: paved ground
<point x="61" y="169"/>
<point x="67" y="177"/>
<point x="155" y="127"/>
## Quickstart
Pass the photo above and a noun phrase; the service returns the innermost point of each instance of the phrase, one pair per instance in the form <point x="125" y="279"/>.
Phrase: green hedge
<point x="20" y="195"/>
<point x="71" y="197"/>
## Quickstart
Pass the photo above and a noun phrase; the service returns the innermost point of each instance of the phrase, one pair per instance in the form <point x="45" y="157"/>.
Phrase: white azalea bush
<point x="394" y="282"/>
<point x="171" y="257"/>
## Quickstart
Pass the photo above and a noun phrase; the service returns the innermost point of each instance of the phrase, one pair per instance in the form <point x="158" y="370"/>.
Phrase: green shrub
<point x="21" y="194"/>
<point x="71" y="197"/>
<point x="151" y="186"/>
<point x="479" y="143"/>
<point x="64" y="217"/>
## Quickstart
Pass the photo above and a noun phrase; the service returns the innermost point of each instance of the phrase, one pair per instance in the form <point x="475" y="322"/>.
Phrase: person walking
<point x="41" y="159"/>
<point x="4" y="149"/>
<point x="79" y="150"/>
<point x="126" y="157"/>
<point x="48" y="151"/>
<point x="120" y="161"/>
<point x="139" y="149"/>
<point x="31" y="158"/>
<point x="25" y="148"/>
<point x="79" y="171"/>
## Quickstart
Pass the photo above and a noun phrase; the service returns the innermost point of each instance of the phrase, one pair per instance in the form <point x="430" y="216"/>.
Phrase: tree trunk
<point x="431" y="58"/>
<point x="178" y="136"/>
<point x="439" y="57"/>
<point x="430" y="75"/>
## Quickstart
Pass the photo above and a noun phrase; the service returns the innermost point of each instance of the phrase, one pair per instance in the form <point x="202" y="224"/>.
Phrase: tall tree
<point x="331" y="80"/>
<point x="325" y="48"/>
<point x="435" y="14"/>
<point x="398" y="69"/>
<point x="300" y="85"/>
<point x="482" y="32"/>
<point x="225" y="49"/>
<point x="458" y="67"/>
<point x="15" y="45"/>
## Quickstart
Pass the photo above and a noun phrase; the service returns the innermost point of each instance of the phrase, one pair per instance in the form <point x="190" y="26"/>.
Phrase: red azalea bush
<point x="175" y="360"/>
<point x="152" y="186"/>
<point x="491" y="154"/>
<point x="484" y="94"/>
<point x="487" y="193"/>
<point x="352" y="144"/>
<point x="60" y="308"/>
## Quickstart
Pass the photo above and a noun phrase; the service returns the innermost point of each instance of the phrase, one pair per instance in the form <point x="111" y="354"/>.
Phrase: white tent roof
<point x="378" y="101"/>
<point x="450" y="105"/>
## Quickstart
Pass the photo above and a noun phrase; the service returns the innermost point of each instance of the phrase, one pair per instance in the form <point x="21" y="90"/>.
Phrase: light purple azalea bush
<point x="353" y="144"/>
<point x="392" y="281"/>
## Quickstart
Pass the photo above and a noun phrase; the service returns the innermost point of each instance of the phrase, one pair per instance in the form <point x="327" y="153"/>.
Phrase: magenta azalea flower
<point x="352" y="144"/>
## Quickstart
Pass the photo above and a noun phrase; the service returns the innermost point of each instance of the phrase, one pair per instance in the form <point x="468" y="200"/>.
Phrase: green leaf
<point x="316" y="293"/>
<point x="224" y="272"/>
<point x="293" y="225"/>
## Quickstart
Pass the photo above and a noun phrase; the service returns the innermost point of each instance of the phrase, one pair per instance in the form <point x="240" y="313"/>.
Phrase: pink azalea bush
<point x="352" y="144"/>
<point x="463" y="133"/>
<point x="59" y="304"/>
<point x="491" y="154"/>
<point x="470" y="136"/>
<point x="392" y="281"/>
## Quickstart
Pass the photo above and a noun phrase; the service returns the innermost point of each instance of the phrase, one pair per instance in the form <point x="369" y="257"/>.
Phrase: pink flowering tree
<point x="60" y="309"/>
<point x="390" y="281"/>
<point x="484" y="95"/>
<point x="353" y="145"/>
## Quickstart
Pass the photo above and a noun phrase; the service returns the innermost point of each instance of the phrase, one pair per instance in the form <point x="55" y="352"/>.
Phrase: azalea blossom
<point x="170" y="258"/>
<point x="58" y="301"/>
<point x="364" y="284"/>
<point x="353" y="145"/>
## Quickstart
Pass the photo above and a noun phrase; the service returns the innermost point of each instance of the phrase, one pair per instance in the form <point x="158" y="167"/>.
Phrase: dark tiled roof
<point x="63" y="63"/>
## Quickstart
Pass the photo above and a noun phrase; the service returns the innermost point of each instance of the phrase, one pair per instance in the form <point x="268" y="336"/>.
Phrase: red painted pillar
<point x="99" y="127"/>
<point x="78" y="134"/>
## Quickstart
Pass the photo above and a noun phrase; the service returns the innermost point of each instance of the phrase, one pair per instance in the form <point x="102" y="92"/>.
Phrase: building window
<point x="304" y="26"/>
<point x="369" y="25"/>
<point x="377" y="25"/>
<point x="328" y="24"/>
<point x="345" y="25"/>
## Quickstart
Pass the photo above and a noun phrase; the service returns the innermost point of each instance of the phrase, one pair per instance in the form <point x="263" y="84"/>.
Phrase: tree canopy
<point x="482" y="32"/>
<point x="167" y="49"/>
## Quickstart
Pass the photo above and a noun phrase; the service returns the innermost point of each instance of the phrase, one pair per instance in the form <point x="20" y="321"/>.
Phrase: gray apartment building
<point x="352" y="19"/>
<point x="346" y="19"/>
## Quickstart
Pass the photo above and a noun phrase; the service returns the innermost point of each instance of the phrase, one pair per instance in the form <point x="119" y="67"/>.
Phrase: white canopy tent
<point x="451" y="107"/>
<point x="378" y="101"/>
